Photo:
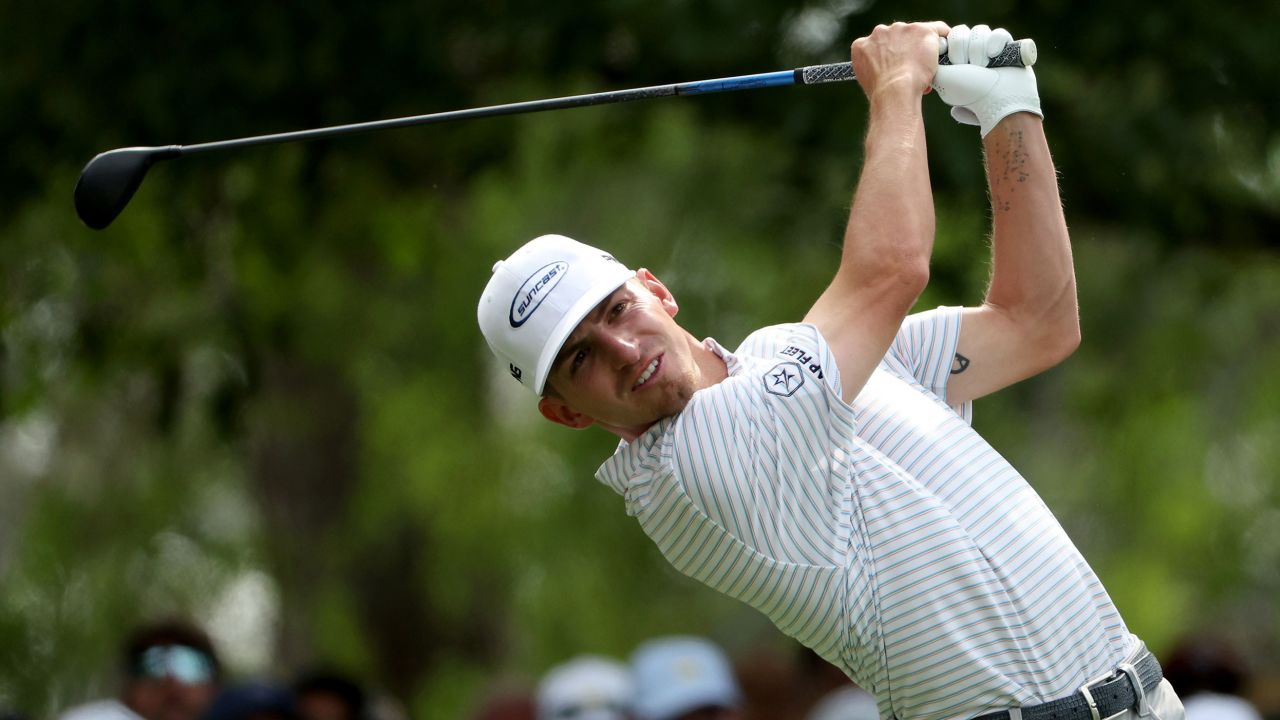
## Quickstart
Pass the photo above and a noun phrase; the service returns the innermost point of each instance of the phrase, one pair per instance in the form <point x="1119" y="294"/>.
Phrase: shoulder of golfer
<point x="889" y="237"/>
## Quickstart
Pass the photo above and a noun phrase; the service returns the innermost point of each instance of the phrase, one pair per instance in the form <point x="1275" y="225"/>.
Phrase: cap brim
<point x="600" y="290"/>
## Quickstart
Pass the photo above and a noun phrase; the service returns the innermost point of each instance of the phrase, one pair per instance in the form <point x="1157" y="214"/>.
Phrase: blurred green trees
<point x="260" y="397"/>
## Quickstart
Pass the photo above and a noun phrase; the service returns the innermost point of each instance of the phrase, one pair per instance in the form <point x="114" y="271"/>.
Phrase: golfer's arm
<point x="1029" y="321"/>
<point x="885" y="262"/>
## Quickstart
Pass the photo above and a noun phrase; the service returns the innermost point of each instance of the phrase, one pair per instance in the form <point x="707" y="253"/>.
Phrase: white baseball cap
<point x="538" y="296"/>
<point x="677" y="675"/>
<point x="586" y="688"/>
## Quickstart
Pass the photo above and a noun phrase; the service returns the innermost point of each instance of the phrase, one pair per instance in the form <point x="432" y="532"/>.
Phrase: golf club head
<point x="111" y="178"/>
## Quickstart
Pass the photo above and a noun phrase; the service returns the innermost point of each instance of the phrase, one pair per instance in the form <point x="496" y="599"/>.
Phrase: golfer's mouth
<point x="647" y="374"/>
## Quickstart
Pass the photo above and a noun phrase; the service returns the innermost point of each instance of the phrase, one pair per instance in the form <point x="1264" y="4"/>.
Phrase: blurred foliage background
<point x="260" y="397"/>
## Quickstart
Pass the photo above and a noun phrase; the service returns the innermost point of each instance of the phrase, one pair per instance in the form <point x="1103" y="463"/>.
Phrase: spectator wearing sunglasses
<point x="170" y="671"/>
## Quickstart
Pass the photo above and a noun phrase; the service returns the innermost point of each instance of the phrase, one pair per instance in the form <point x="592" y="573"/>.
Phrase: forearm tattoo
<point x="1014" y="159"/>
<point x="959" y="365"/>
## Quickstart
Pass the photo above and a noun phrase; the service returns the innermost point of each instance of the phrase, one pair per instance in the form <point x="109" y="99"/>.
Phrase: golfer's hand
<point x="979" y="95"/>
<point x="897" y="58"/>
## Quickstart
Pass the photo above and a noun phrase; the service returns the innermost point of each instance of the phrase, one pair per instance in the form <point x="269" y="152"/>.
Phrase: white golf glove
<point x="979" y="95"/>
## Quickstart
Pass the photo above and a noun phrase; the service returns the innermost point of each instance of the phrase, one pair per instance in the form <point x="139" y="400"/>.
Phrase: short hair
<point x="171" y="631"/>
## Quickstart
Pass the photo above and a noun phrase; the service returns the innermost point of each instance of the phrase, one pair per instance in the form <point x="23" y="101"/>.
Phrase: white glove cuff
<point x="997" y="107"/>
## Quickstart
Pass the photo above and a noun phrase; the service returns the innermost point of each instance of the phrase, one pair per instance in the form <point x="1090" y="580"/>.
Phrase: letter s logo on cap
<point x="534" y="290"/>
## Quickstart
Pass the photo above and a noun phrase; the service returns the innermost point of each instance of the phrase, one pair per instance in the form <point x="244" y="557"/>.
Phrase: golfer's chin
<point x="673" y="401"/>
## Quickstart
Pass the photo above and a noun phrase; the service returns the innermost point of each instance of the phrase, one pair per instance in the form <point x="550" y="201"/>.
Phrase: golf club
<point x="110" y="179"/>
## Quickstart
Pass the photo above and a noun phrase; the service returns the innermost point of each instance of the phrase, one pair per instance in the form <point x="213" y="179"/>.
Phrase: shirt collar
<point x="731" y="361"/>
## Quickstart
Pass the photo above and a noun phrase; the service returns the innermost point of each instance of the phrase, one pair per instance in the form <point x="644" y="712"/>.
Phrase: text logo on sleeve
<point x="804" y="358"/>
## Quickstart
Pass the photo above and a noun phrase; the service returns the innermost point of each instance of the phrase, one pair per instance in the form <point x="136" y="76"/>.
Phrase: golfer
<point x="825" y="472"/>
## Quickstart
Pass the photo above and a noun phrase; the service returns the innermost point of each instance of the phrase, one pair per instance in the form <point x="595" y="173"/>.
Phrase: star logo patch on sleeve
<point x="784" y="379"/>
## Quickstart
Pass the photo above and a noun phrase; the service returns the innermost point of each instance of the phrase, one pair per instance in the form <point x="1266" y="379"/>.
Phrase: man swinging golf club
<point x="825" y="472"/>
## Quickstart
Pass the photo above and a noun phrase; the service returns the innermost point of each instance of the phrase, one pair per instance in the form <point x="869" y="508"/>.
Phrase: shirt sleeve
<point x="800" y="343"/>
<point x="762" y="454"/>
<point x="925" y="351"/>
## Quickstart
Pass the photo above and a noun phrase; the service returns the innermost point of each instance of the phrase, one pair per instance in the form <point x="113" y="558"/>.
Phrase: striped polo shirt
<point x="885" y="534"/>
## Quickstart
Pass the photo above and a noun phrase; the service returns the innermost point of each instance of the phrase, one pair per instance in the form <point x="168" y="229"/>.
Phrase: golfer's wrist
<point x="899" y="95"/>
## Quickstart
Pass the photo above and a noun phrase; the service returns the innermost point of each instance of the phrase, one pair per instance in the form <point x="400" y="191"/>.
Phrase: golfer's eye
<point x="617" y="309"/>
<point x="578" y="358"/>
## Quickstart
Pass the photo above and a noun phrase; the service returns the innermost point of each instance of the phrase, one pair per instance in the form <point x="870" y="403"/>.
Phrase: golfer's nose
<point x="621" y="348"/>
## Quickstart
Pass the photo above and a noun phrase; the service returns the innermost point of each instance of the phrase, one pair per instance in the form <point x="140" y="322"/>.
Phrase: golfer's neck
<point x="711" y="367"/>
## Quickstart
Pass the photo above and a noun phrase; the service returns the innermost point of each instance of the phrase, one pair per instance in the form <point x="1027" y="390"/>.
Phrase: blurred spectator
<point x="253" y="701"/>
<point x="848" y="702"/>
<point x="1209" y="677"/>
<point x="385" y="707"/>
<point x="770" y="681"/>
<point x="586" y="688"/>
<point x="834" y="696"/>
<point x="328" y="695"/>
<point x="684" y="678"/>
<point x="171" y="672"/>
<point x="506" y="703"/>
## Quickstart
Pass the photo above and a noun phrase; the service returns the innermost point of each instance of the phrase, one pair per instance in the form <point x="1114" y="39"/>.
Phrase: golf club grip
<point x="1018" y="53"/>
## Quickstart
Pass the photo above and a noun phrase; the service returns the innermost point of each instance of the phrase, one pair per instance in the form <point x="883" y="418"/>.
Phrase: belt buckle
<point x="1130" y="671"/>
<point x="1088" y="696"/>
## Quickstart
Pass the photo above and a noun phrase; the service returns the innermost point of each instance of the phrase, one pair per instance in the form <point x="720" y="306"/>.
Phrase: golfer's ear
<point x="660" y="291"/>
<point x="557" y="411"/>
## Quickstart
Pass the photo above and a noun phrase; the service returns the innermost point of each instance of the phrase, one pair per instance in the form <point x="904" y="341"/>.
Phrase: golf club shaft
<point x="742" y="82"/>
<point x="1015" y="54"/>
<point x="110" y="179"/>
